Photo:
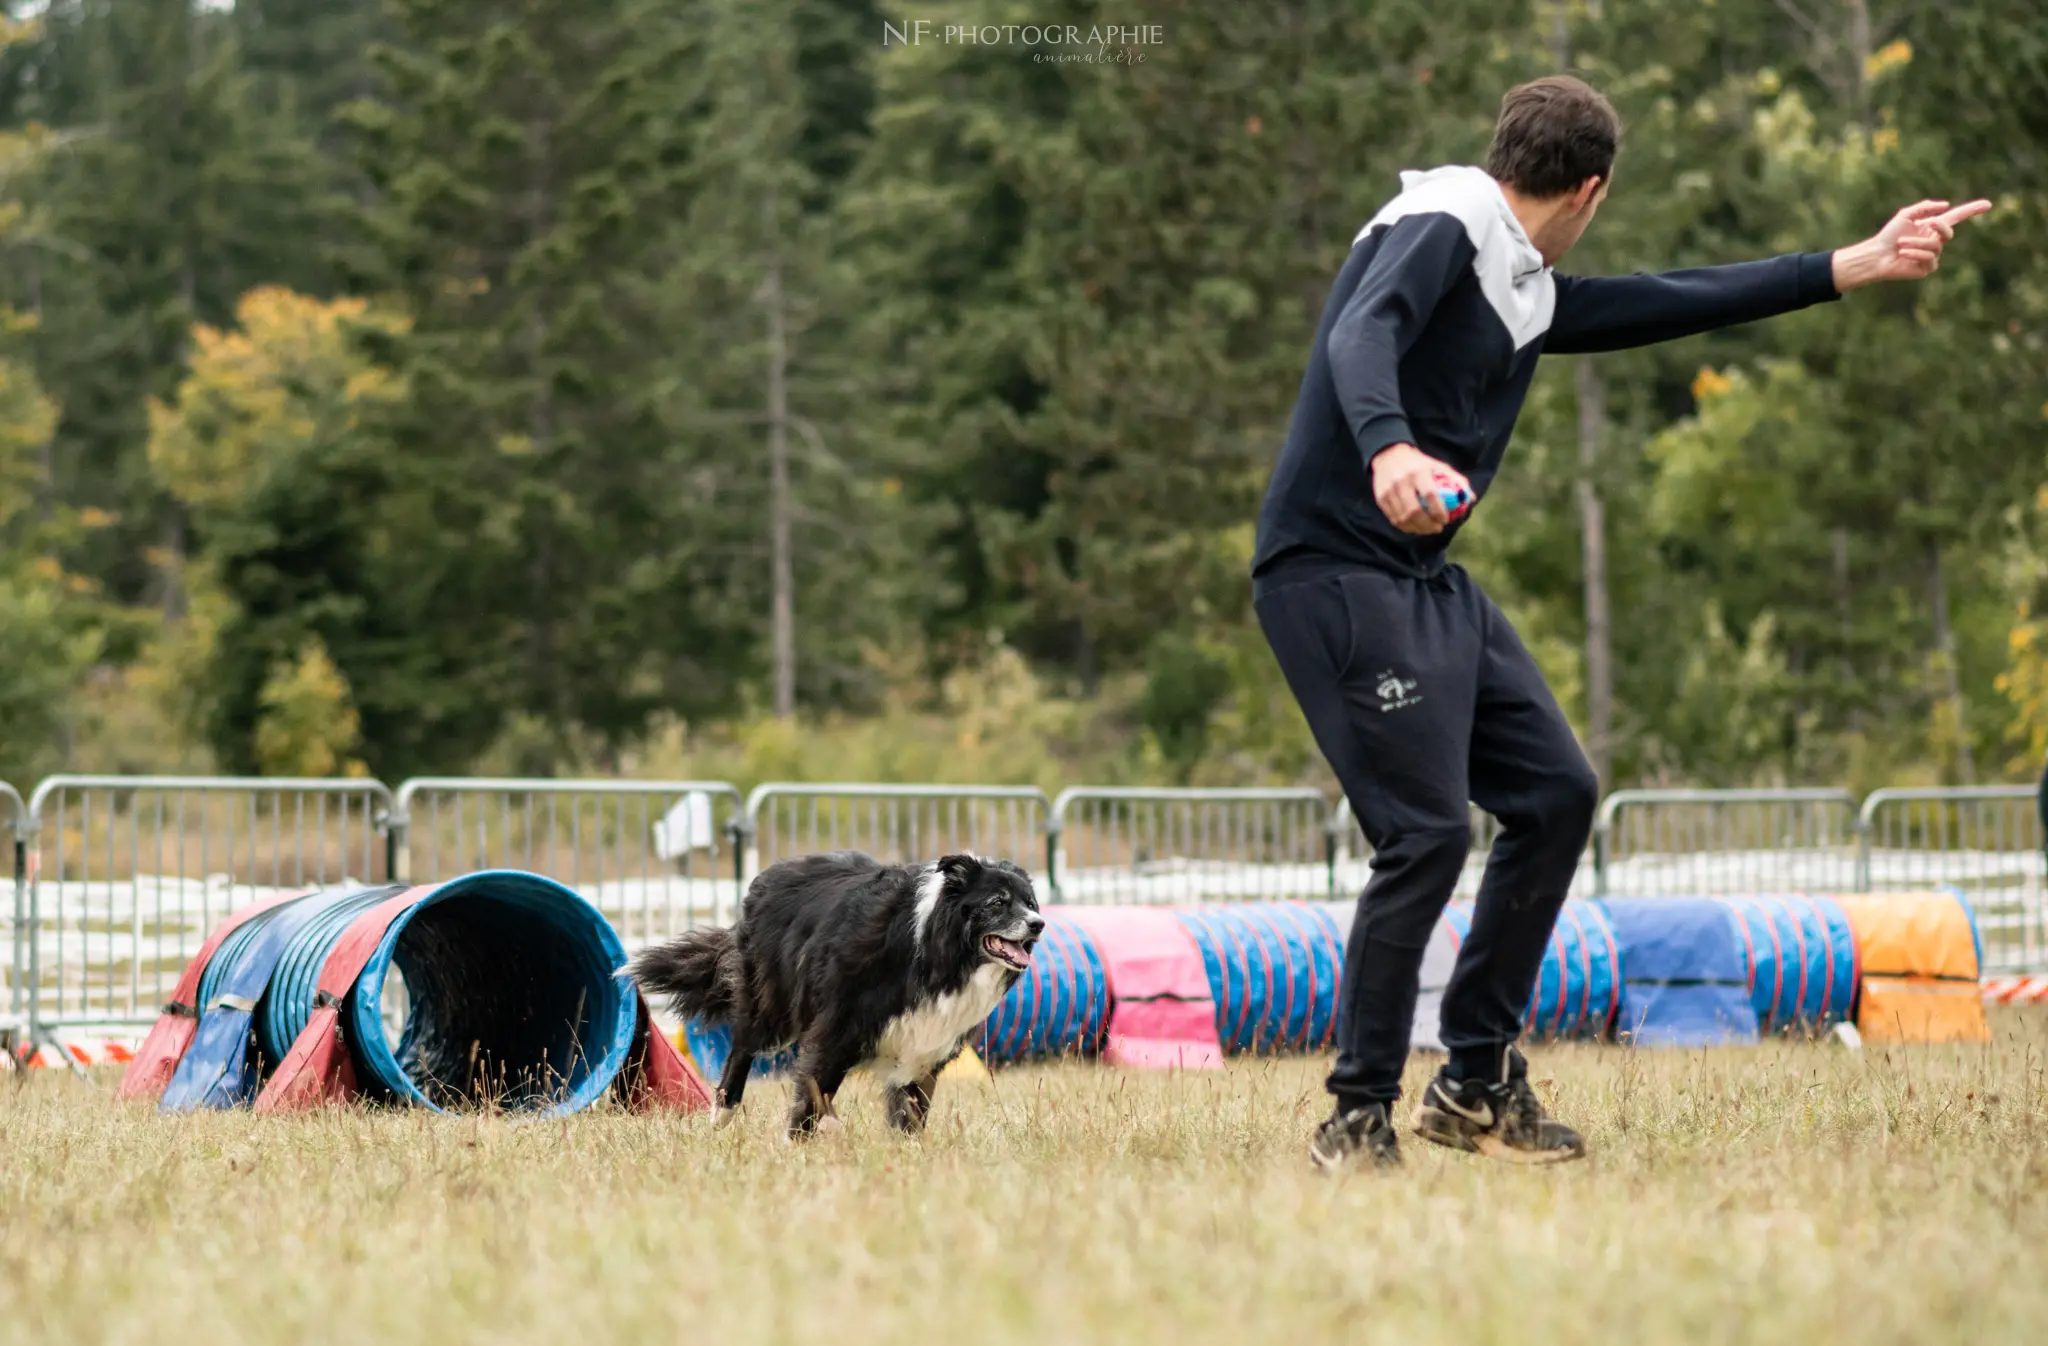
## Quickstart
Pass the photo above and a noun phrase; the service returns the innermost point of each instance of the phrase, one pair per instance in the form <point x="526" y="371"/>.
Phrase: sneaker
<point x="1500" y="1120"/>
<point x="1362" y="1131"/>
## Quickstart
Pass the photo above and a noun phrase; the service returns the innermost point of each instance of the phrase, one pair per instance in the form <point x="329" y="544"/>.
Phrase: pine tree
<point x="529" y="169"/>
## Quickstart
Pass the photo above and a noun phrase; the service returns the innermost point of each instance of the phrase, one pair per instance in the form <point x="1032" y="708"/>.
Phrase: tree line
<point x="389" y="384"/>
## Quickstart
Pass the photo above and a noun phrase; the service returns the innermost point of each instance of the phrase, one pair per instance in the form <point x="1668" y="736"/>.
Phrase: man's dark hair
<point x="1552" y="135"/>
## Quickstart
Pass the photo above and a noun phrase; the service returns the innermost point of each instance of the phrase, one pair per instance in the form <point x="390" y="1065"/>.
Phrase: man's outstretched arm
<point x="1605" y="313"/>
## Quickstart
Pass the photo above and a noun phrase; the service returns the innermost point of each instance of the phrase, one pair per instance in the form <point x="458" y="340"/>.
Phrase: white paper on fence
<point x="687" y="827"/>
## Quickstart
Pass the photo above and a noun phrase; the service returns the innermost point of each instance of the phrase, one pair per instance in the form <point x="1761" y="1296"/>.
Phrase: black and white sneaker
<point x="1501" y="1119"/>
<point x="1366" y="1132"/>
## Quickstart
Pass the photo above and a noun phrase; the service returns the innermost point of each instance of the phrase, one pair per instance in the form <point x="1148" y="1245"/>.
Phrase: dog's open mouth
<point x="1006" y="951"/>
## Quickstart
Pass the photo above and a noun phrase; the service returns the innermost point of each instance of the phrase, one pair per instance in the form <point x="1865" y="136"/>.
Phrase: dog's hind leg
<point x="909" y="1104"/>
<point x="732" y="1084"/>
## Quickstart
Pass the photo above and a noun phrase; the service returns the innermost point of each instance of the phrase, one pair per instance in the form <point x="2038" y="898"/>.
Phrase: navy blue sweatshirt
<point x="1430" y="337"/>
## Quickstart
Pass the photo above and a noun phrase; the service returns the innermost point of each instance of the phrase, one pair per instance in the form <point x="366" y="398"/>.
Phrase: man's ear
<point x="1586" y="194"/>
<point x="959" y="871"/>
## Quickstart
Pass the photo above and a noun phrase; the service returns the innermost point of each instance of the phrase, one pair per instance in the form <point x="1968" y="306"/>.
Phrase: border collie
<point x="858" y="963"/>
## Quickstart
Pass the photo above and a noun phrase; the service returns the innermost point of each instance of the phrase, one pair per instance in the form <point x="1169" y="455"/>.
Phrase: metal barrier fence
<point x="656" y="857"/>
<point x="1984" y="840"/>
<point x="1151" y="847"/>
<point x="893" y="823"/>
<point x="118" y="879"/>
<point x="1351" y="853"/>
<point x="16" y="818"/>
<point x="126" y="874"/>
<point x="1649" y="842"/>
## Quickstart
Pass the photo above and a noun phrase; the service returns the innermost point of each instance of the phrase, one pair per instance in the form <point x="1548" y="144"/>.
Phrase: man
<point x="1417" y="690"/>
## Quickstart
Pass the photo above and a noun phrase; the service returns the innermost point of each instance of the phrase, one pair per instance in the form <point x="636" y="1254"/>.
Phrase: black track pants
<point x="1423" y="698"/>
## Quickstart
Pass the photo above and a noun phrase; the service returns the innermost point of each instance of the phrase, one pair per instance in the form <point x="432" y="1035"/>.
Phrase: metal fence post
<point x="1052" y="855"/>
<point x="17" y="833"/>
<point x="1603" y="831"/>
<point x="1333" y="829"/>
<point x="740" y="829"/>
<point x="397" y="825"/>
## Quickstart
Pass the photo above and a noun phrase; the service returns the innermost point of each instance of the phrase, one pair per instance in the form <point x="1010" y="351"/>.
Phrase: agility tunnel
<point x="513" y="1001"/>
<point x="710" y="1045"/>
<point x="1579" y="985"/>
<point x="1686" y="972"/>
<point x="1921" y="959"/>
<point x="1800" y="955"/>
<point x="1273" y="970"/>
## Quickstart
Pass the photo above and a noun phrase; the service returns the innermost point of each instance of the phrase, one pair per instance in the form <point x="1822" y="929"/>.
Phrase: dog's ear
<point x="959" y="871"/>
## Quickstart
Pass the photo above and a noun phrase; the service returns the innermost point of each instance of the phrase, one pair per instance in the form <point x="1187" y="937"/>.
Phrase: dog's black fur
<point x="830" y="953"/>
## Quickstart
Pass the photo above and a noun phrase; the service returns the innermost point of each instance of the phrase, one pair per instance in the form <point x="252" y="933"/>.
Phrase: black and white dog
<point x="857" y="963"/>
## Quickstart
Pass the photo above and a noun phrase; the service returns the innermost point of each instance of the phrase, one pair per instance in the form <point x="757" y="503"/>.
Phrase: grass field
<point x="1791" y="1193"/>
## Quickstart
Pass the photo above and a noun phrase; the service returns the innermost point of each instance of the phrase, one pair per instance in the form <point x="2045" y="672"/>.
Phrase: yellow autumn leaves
<point x="290" y="379"/>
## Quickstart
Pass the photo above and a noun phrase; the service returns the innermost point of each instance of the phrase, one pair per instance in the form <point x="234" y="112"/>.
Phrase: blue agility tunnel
<point x="1273" y="970"/>
<point x="709" y="1046"/>
<point x="512" y="997"/>
<point x="1686" y="972"/>
<point x="513" y="994"/>
<point x="1801" y="956"/>
<point x="222" y="1068"/>
<point x="1579" y="985"/>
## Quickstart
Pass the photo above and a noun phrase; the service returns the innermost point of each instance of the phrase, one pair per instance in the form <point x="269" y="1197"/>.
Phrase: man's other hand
<point x="1405" y="481"/>
<point x="1907" y="248"/>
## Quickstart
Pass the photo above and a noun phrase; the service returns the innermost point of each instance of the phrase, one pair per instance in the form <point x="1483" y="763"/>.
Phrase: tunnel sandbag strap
<point x="656" y="1077"/>
<point x="169" y="1037"/>
<point x="1169" y="1018"/>
<point x="318" y="1068"/>
<point x="217" y="1071"/>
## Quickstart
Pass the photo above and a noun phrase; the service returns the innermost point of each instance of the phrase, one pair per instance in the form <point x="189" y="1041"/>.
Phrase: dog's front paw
<point x="723" y="1118"/>
<point x="829" y="1125"/>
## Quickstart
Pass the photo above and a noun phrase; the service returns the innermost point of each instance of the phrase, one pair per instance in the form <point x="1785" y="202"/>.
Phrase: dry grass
<point x="1787" y="1193"/>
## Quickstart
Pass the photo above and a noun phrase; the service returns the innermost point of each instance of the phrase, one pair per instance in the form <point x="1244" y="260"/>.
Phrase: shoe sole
<point x="1439" y="1127"/>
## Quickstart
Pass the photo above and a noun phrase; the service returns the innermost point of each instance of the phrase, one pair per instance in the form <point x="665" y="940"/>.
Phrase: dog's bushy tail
<point x="699" y="975"/>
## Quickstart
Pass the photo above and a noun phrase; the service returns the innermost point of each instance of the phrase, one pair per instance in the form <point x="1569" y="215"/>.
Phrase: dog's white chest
<point x="918" y="1039"/>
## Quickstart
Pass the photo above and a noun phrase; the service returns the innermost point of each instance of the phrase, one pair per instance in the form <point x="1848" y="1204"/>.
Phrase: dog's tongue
<point x="1016" y="951"/>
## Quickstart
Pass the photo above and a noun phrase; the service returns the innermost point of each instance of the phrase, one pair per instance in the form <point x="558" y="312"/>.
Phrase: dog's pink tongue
<point x="1016" y="951"/>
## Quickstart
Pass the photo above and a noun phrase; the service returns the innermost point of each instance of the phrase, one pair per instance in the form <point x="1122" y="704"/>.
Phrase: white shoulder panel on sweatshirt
<point x="1511" y="272"/>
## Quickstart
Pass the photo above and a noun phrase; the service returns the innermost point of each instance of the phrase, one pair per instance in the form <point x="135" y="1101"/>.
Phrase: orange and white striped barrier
<point x="2016" y="990"/>
<point x="91" y="1052"/>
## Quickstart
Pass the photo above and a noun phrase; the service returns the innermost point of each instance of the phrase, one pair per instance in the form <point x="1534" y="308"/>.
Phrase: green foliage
<point x="309" y="726"/>
<point x="1036" y="328"/>
<point x="1184" y="686"/>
